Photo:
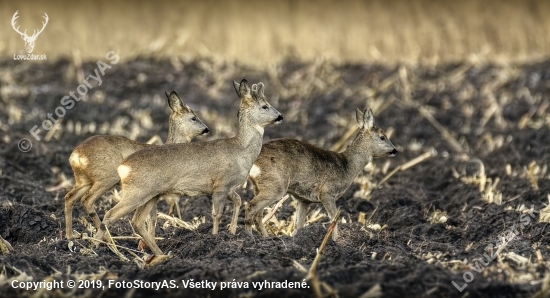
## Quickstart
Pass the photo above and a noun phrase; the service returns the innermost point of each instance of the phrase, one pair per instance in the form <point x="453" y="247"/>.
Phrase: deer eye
<point x="383" y="138"/>
<point x="194" y="119"/>
<point x="265" y="107"/>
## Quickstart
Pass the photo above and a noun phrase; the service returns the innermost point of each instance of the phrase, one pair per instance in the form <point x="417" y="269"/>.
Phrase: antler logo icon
<point x="29" y="40"/>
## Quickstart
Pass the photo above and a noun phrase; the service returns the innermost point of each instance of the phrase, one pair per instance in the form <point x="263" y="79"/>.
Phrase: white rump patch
<point x="123" y="171"/>
<point x="77" y="160"/>
<point x="255" y="171"/>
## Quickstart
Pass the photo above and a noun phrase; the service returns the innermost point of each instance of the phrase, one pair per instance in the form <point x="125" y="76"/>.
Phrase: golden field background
<point x="251" y="32"/>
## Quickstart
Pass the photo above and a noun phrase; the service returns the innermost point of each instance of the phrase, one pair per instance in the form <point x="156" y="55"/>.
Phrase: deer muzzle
<point x="279" y="119"/>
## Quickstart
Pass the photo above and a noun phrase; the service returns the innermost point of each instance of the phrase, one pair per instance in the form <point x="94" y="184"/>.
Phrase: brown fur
<point x="95" y="161"/>
<point x="214" y="168"/>
<point x="311" y="174"/>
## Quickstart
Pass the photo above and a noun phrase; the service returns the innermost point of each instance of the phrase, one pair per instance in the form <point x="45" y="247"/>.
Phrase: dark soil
<point x="411" y="256"/>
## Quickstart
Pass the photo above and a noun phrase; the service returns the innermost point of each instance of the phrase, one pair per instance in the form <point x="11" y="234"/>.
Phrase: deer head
<point x="29" y="40"/>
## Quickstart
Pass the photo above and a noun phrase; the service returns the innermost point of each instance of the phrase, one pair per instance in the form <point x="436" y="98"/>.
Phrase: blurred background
<point x="252" y="32"/>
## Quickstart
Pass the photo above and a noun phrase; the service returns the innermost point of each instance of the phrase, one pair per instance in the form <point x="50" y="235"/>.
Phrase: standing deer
<point x="312" y="174"/>
<point x="29" y="40"/>
<point x="95" y="161"/>
<point x="213" y="168"/>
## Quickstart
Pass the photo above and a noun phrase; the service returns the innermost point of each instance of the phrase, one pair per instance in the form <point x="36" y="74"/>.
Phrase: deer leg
<point x="151" y="222"/>
<point x="256" y="207"/>
<point x="267" y="190"/>
<point x="300" y="215"/>
<point x="236" y="200"/>
<point x="260" y="225"/>
<point x="141" y="244"/>
<point x="97" y="190"/>
<point x="177" y="205"/>
<point x="152" y="219"/>
<point x="70" y="199"/>
<point x="330" y="205"/>
<point x="152" y="228"/>
<point x="254" y="214"/>
<point x="218" y="199"/>
<point x="173" y="201"/>
<point x="178" y="210"/>
<point x="128" y="203"/>
<point x="170" y="203"/>
<point x="139" y="219"/>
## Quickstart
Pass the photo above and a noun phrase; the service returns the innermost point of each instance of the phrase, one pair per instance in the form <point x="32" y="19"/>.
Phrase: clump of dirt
<point x="26" y="224"/>
<point x="413" y="235"/>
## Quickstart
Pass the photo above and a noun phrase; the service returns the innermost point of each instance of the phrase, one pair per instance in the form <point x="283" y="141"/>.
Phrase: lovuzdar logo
<point x="29" y="40"/>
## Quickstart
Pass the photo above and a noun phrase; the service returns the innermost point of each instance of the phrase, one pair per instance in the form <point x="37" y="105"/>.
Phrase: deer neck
<point x="175" y="138"/>
<point x="358" y="155"/>
<point x="250" y="135"/>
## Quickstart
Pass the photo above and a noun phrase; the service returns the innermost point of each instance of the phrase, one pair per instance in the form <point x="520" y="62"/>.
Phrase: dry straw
<point x="262" y="31"/>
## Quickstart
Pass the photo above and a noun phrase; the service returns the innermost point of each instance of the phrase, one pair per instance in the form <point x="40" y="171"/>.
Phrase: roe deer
<point x="94" y="161"/>
<point x="214" y="168"/>
<point x="311" y="174"/>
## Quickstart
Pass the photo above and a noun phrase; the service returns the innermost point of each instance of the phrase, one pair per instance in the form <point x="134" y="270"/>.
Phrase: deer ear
<point x="236" y="86"/>
<point x="254" y="91"/>
<point x="175" y="102"/>
<point x="261" y="89"/>
<point x="242" y="88"/>
<point x="258" y="90"/>
<point x="360" y="117"/>
<point x="369" y="119"/>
